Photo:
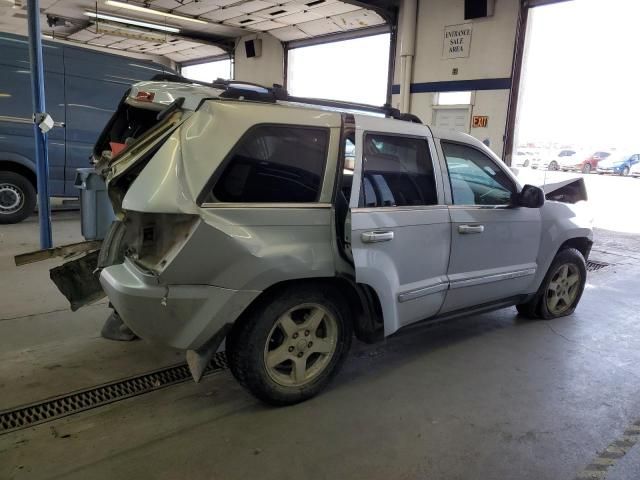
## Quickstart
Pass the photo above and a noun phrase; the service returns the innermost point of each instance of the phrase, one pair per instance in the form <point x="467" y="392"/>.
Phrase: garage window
<point x="209" y="71"/>
<point x="397" y="172"/>
<point x="274" y="164"/>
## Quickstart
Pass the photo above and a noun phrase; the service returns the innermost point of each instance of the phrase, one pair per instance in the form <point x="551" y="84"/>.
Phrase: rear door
<point x="400" y="230"/>
<point x="494" y="246"/>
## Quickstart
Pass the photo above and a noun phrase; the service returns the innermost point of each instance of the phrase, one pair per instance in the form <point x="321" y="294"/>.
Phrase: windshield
<point x="566" y="153"/>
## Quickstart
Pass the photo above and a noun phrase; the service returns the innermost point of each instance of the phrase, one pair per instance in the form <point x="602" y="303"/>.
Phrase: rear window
<point x="274" y="163"/>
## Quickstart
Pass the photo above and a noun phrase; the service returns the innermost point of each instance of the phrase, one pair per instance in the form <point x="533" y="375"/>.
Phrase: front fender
<point x="561" y="222"/>
<point x="13" y="157"/>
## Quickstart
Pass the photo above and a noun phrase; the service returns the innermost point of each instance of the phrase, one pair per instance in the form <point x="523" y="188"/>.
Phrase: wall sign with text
<point x="457" y="40"/>
<point x="479" y="121"/>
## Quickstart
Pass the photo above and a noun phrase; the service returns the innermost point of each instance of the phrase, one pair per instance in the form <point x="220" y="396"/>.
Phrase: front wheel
<point x="288" y="348"/>
<point x="625" y="171"/>
<point x="561" y="288"/>
<point x="17" y="197"/>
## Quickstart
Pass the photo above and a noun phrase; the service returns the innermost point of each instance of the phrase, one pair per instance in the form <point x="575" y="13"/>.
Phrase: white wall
<point x="266" y="69"/>
<point x="490" y="57"/>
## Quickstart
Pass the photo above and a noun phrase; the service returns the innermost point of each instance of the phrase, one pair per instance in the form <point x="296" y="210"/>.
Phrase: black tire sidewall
<point x="245" y="347"/>
<point x="29" y="192"/>
<point x="565" y="256"/>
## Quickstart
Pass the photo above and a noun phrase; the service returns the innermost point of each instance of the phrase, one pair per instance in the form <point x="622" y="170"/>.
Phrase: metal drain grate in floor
<point x="33" y="414"/>
<point x="592" y="265"/>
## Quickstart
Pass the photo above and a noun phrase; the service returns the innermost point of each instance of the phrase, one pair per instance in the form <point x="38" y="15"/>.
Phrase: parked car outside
<point x="582" y="163"/>
<point x="563" y="157"/>
<point x="82" y="88"/>
<point x="618" y="163"/>
<point x="241" y="221"/>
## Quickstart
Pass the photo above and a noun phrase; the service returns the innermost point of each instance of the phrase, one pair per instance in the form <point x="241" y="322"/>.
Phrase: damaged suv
<point x="242" y="215"/>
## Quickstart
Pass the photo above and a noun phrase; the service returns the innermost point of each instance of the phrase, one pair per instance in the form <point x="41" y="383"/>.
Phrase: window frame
<point x="215" y="176"/>
<point x="433" y="154"/>
<point x="514" y="184"/>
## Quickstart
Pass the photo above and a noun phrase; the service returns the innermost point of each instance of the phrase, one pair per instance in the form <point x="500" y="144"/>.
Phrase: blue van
<point x="82" y="89"/>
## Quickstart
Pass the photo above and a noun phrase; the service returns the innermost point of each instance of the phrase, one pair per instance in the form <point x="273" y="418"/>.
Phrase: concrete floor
<point x="487" y="397"/>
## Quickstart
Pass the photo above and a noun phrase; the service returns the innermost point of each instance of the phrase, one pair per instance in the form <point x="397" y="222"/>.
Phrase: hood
<point x="572" y="190"/>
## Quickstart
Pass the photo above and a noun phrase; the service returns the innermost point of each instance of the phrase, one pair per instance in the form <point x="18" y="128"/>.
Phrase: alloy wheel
<point x="301" y="345"/>
<point x="563" y="288"/>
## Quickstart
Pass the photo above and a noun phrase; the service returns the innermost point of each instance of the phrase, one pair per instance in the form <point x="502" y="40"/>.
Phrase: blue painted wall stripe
<point x="458" y="85"/>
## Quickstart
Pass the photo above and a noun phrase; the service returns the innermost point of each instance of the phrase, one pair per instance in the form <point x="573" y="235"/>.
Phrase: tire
<point x="625" y="171"/>
<point x="586" y="169"/>
<point x="542" y="305"/>
<point x="17" y="197"/>
<point x="282" y="327"/>
<point x="553" y="166"/>
<point x="525" y="164"/>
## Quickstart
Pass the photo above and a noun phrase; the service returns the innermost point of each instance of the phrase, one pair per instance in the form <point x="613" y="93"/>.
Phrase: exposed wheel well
<point x="582" y="244"/>
<point x="9" y="166"/>
<point x="364" y="305"/>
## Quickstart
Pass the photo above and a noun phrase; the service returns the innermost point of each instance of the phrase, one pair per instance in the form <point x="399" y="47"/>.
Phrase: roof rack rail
<point x="260" y="93"/>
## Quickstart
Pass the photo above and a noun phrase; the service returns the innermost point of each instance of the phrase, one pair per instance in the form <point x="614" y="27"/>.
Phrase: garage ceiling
<point x="216" y="22"/>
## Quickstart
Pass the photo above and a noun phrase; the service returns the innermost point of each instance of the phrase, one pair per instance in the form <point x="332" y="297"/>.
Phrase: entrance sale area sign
<point x="457" y="40"/>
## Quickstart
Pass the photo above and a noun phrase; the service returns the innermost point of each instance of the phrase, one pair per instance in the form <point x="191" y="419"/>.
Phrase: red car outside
<point x="587" y="165"/>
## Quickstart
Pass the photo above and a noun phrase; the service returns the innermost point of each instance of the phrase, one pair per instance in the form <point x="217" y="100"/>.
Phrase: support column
<point x="41" y="150"/>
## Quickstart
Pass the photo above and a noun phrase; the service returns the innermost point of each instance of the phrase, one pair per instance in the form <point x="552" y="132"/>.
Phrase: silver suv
<point x="286" y="227"/>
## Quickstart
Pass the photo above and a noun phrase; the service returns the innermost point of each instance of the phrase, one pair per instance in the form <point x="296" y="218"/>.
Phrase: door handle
<point x="376" y="236"/>
<point x="465" y="229"/>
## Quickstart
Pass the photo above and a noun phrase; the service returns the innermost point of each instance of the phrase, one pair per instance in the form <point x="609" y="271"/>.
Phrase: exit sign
<point x="480" y="121"/>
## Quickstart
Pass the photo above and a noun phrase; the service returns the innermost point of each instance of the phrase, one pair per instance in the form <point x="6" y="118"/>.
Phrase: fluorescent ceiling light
<point x="130" y="21"/>
<point x="137" y="8"/>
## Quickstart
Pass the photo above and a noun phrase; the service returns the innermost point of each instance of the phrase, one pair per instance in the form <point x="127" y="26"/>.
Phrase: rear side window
<point x="274" y="163"/>
<point x="397" y="171"/>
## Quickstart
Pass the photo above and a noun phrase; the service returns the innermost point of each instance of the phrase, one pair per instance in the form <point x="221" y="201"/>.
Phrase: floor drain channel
<point x="592" y="265"/>
<point x="51" y="409"/>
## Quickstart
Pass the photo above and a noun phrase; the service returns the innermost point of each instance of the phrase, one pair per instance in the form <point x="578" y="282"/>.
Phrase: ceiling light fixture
<point x="130" y="21"/>
<point x="138" y="8"/>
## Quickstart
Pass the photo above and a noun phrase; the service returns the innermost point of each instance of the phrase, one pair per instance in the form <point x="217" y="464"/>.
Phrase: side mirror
<point x="530" y="197"/>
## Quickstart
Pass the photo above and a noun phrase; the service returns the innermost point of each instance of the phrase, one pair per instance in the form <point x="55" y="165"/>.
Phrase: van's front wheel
<point x="289" y="347"/>
<point x="17" y="197"/>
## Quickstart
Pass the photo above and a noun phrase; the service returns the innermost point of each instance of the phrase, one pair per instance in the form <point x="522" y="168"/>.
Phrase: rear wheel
<point x="288" y="348"/>
<point x="586" y="169"/>
<point x="561" y="288"/>
<point x="17" y="197"/>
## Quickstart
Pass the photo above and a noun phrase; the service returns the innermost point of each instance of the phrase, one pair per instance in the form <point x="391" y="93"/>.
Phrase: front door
<point x="400" y="231"/>
<point x="494" y="245"/>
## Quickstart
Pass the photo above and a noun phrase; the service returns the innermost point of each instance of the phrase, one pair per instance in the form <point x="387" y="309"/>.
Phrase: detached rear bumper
<point x="179" y="316"/>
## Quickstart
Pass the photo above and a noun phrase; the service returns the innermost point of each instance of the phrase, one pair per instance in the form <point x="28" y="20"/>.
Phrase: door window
<point x="475" y="178"/>
<point x="397" y="171"/>
<point x="274" y="164"/>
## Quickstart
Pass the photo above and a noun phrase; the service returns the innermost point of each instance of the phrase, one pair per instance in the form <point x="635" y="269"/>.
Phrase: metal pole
<point x="37" y="88"/>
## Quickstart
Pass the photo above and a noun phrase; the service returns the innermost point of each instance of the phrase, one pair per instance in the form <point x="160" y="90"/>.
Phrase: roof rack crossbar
<point x="260" y="93"/>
